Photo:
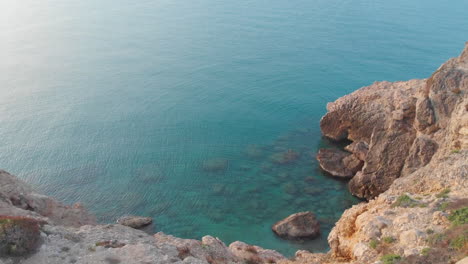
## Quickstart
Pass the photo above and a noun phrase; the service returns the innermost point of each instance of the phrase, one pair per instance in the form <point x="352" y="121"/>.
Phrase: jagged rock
<point x="367" y="116"/>
<point x="134" y="221"/>
<point x="209" y="249"/>
<point x="388" y="150"/>
<point x="424" y="114"/>
<point x="338" y="163"/>
<point x="298" y="225"/>
<point x="252" y="253"/>
<point x="359" y="149"/>
<point x="420" y="154"/>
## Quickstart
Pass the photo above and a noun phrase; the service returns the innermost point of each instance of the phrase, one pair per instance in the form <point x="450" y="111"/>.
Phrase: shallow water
<point x="118" y="104"/>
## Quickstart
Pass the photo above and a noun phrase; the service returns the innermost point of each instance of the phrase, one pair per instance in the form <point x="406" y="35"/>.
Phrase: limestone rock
<point x="338" y="163"/>
<point x="252" y="253"/>
<point x="134" y="221"/>
<point x="298" y="225"/>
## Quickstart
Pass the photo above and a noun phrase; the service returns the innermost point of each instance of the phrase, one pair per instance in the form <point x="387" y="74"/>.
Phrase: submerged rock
<point x="136" y="222"/>
<point x="284" y="158"/>
<point x="298" y="225"/>
<point x="290" y="188"/>
<point x="215" y="165"/>
<point x="253" y="152"/>
<point x="339" y="163"/>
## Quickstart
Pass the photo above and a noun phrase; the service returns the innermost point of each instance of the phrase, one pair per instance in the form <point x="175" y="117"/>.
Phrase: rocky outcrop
<point x="412" y="137"/>
<point x="397" y="128"/>
<point x="134" y="221"/>
<point x="19" y="199"/>
<point x="254" y="254"/>
<point x="339" y="163"/>
<point x="36" y="229"/>
<point x="298" y="225"/>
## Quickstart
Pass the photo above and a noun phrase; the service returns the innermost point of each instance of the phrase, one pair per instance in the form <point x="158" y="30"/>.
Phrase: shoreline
<point x="414" y="176"/>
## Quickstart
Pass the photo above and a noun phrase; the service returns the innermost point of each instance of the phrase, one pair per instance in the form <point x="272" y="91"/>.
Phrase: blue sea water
<point x="122" y="104"/>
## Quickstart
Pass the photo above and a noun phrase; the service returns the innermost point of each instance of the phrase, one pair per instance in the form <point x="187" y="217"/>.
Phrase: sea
<point x="202" y="114"/>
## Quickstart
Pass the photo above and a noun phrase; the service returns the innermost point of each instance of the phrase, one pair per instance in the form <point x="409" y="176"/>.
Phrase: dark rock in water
<point x="254" y="152"/>
<point x="266" y="167"/>
<point x="283" y="158"/>
<point x="218" y="188"/>
<point x="215" y="165"/>
<point x="298" y="225"/>
<point x="290" y="188"/>
<point x="283" y="175"/>
<point x="309" y="179"/>
<point x="312" y="190"/>
<point x="339" y="163"/>
<point x="245" y="167"/>
<point x="18" y="235"/>
<point x="136" y="222"/>
<point x="151" y="173"/>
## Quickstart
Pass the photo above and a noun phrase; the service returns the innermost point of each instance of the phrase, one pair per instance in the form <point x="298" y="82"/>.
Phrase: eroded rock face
<point x="298" y="225"/>
<point x="134" y="221"/>
<point x="338" y="163"/>
<point x="397" y="128"/>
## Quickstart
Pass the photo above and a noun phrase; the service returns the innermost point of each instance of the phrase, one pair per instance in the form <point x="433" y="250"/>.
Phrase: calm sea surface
<point x="177" y="109"/>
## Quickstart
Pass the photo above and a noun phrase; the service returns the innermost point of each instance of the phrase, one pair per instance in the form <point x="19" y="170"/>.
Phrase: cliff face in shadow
<point x="409" y="159"/>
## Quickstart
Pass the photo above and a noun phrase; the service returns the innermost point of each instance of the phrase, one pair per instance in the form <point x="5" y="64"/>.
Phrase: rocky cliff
<point x="411" y="139"/>
<point x="408" y="158"/>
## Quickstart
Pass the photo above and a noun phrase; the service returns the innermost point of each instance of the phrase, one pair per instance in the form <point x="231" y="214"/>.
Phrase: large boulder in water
<point x="134" y="221"/>
<point x="298" y="225"/>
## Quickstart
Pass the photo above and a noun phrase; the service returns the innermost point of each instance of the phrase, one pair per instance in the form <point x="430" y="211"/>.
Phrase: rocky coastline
<point x="408" y="159"/>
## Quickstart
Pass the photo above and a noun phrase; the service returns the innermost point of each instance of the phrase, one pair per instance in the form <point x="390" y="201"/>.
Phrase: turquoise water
<point x="118" y="104"/>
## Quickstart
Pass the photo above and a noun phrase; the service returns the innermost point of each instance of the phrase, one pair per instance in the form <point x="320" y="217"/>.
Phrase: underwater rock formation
<point x="215" y="165"/>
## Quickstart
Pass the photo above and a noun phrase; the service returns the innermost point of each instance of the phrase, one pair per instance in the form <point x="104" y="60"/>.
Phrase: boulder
<point x="339" y="163"/>
<point x="298" y="225"/>
<point x="134" y="221"/>
<point x="251" y="253"/>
